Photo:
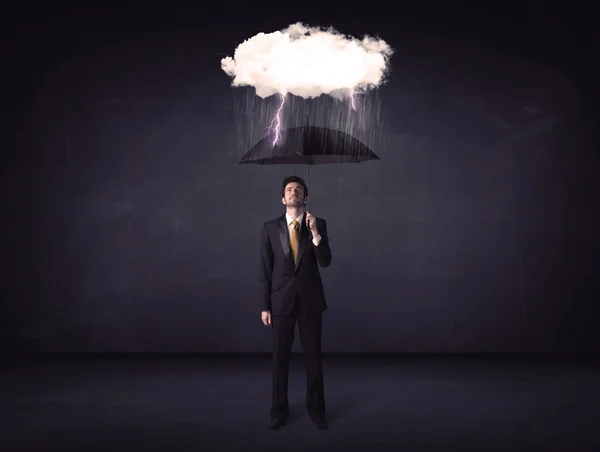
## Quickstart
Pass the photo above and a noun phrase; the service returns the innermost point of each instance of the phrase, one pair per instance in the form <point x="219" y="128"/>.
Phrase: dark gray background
<point x="127" y="228"/>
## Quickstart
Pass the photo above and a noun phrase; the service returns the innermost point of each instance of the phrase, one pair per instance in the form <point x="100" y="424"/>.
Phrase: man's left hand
<point x="311" y="222"/>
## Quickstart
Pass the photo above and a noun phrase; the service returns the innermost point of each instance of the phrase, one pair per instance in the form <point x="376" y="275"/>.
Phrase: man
<point x="293" y="247"/>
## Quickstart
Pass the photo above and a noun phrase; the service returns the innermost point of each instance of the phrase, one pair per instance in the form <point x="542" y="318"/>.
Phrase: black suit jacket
<point x="281" y="282"/>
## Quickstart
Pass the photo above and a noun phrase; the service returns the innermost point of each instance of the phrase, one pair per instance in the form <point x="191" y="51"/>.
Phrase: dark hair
<point x="289" y="180"/>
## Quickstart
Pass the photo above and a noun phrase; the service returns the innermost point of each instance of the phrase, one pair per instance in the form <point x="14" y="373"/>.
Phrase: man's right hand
<point x="266" y="317"/>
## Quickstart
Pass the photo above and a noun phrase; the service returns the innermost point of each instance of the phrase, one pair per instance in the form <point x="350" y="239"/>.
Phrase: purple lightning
<point x="276" y="122"/>
<point x="276" y="126"/>
<point x="352" y="100"/>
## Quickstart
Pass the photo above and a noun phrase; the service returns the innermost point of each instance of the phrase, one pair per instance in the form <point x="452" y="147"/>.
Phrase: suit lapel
<point x="284" y="237"/>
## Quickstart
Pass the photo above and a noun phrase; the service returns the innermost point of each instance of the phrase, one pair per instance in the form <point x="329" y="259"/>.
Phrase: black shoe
<point x="277" y="423"/>
<point x="320" y="423"/>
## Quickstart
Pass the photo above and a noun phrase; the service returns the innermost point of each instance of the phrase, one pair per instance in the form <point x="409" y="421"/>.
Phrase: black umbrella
<point x="308" y="145"/>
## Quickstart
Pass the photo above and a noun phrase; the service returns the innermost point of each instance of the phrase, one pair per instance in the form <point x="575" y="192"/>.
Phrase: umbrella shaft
<point x="308" y="182"/>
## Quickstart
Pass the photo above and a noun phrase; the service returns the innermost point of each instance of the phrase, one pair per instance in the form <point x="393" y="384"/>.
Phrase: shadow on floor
<point x="337" y="408"/>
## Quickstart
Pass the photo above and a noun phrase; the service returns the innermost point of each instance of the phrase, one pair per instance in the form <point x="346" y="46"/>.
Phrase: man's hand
<point x="266" y="317"/>
<point x="311" y="222"/>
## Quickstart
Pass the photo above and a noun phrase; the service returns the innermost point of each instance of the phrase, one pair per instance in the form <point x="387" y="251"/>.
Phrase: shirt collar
<point x="289" y="218"/>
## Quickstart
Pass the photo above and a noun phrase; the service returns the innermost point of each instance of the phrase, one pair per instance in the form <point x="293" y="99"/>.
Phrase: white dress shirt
<point x="316" y="240"/>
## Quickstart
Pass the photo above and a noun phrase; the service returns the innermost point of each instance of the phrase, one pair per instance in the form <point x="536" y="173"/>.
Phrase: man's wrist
<point x="316" y="240"/>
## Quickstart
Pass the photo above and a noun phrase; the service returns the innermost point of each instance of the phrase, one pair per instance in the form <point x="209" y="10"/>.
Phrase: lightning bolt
<point x="275" y="126"/>
<point x="353" y="100"/>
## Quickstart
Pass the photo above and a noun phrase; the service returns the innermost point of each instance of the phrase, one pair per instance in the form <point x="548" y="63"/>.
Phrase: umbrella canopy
<point x="308" y="145"/>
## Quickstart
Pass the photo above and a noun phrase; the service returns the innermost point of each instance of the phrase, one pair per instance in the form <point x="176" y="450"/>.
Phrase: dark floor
<point x="401" y="402"/>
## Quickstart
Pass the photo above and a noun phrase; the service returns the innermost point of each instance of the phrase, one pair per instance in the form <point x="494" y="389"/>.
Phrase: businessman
<point x="293" y="247"/>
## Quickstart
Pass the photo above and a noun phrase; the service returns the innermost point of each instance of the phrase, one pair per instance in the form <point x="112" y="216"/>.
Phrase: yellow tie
<point x="294" y="239"/>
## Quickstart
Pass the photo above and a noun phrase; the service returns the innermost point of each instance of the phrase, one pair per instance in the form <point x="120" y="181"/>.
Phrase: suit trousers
<point x="310" y="329"/>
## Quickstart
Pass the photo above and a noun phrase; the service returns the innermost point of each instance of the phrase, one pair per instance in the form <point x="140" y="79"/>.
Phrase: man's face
<point x="293" y="195"/>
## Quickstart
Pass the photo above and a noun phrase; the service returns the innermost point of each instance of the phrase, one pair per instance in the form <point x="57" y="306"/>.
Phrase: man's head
<point x="294" y="192"/>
